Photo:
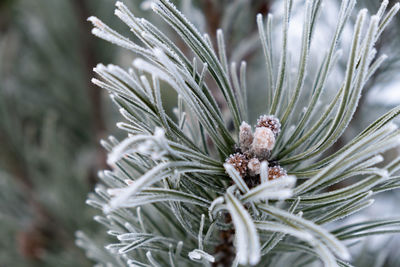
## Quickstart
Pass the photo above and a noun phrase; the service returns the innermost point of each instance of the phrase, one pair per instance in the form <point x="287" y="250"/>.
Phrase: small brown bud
<point x="254" y="167"/>
<point x="245" y="137"/>
<point x="239" y="162"/>
<point x="276" y="172"/>
<point x="263" y="142"/>
<point x="271" y="122"/>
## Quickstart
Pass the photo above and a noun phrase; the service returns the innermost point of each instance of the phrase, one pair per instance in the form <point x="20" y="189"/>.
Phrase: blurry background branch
<point x="88" y="55"/>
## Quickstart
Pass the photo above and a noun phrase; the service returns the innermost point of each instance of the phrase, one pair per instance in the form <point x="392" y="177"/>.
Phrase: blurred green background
<point x="51" y="119"/>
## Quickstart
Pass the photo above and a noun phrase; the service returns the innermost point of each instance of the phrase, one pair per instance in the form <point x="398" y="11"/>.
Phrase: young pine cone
<point x="239" y="162"/>
<point x="245" y="137"/>
<point x="276" y="172"/>
<point x="263" y="142"/>
<point x="270" y="122"/>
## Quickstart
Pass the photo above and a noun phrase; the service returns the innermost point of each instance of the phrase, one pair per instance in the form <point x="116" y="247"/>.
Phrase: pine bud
<point x="245" y="137"/>
<point x="276" y="172"/>
<point x="270" y="122"/>
<point x="239" y="162"/>
<point x="254" y="167"/>
<point x="263" y="142"/>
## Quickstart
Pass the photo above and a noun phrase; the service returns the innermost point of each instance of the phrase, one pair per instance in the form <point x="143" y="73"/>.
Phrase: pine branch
<point x="173" y="169"/>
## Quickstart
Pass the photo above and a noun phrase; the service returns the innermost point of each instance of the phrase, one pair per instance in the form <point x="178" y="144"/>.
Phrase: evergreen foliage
<point x="178" y="196"/>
